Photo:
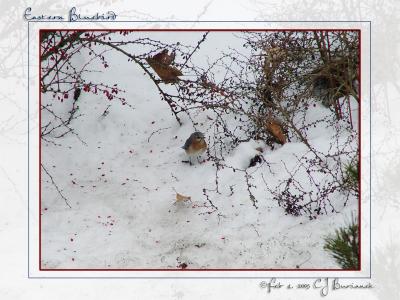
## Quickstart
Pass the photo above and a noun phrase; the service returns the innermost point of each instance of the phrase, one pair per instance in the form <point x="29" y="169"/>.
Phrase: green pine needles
<point x="351" y="177"/>
<point x="344" y="246"/>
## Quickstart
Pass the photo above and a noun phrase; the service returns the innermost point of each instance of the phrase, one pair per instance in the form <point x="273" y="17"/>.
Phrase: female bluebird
<point x="195" y="145"/>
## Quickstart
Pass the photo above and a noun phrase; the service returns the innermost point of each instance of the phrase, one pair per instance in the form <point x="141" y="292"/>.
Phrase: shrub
<point x="344" y="246"/>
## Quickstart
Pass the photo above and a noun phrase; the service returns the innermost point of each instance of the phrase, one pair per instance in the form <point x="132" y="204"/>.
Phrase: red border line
<point x="202" y="30"/>
<point x="40" y="155"/>
<point x="359" y="149"/>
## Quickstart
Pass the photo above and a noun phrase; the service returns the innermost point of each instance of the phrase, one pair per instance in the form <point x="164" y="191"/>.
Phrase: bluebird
<point x="195" y="145"/>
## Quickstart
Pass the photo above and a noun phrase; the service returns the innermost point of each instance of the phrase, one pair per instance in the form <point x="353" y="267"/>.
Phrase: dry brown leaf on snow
<point x="182" y="198"/>
<point x="275" y="128"/>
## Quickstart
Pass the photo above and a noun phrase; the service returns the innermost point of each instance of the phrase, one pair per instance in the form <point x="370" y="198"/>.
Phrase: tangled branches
<point x="270" y="90"/>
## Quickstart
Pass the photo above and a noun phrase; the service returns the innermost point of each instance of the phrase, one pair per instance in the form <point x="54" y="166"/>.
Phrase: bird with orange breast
<point x="195" y="145"/>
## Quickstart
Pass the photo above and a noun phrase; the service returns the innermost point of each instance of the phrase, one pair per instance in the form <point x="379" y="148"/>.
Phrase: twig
<point x="195" y="49"/>
<point x="106" y="112"/>
<point x="156" y="131"/>
<point x="56" y="186"/>
<point x="255" y="229"/>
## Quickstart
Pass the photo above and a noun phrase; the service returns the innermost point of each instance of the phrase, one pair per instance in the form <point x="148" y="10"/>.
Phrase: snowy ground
<point x="123" y="182"/>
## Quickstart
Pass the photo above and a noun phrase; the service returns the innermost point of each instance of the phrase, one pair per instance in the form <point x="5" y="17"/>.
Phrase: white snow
<point x="122" y="183"/>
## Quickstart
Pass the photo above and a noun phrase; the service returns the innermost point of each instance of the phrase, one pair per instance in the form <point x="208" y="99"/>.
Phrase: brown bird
<point x="161" y="64"/>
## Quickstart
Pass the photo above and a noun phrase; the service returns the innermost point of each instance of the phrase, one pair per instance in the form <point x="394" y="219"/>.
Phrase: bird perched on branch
<point x="161" y="63"/>
<point x="195" y="145"/>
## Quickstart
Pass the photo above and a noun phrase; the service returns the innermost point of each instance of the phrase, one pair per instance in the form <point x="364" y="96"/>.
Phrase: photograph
<point x="199" y="149"/>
